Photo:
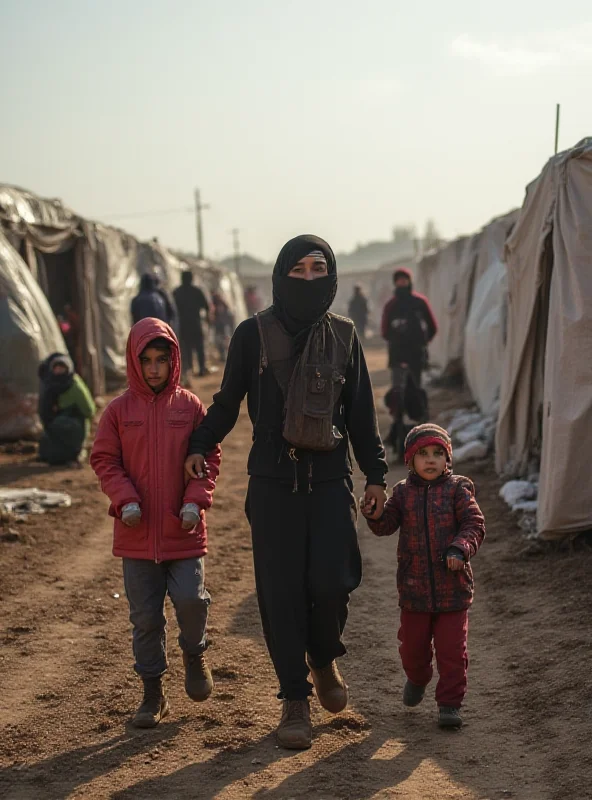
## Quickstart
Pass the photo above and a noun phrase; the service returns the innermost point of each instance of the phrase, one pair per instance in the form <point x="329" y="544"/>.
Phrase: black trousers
<point x="191" y="341"/>
<point x="307" y="562"/>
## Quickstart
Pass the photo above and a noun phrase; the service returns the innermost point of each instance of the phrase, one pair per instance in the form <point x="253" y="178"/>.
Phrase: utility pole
<point x="236" y="244"/>
<point x="557" y="115"/>
<point x="198" y="222"/>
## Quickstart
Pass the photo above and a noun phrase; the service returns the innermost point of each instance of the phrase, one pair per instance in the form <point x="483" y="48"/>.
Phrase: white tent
<point x="484" y="340"/>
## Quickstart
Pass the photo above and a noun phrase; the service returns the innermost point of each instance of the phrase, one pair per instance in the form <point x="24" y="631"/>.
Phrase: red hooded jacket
<point x="139" y="453"/>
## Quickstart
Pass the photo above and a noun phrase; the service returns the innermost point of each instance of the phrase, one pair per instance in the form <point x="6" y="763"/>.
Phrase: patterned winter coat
<point x="432" y="518"/>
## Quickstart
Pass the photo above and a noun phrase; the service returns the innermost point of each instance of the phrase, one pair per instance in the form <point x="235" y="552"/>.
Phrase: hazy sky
<point x="326" y="116"/>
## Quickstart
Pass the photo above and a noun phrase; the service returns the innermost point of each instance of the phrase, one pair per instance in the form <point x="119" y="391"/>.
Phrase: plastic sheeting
<point x="444" y="277"/>
<point x="116" y="285"/>
<point x="29" y="333"/>
<point x="484" y="340"/>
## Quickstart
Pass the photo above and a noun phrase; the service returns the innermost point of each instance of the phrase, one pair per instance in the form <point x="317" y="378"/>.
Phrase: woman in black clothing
<point x="300" y="504"/>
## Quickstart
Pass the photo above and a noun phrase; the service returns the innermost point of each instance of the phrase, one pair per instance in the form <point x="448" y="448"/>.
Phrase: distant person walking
<point x="358" y="310"/>
<point x="66" y="408"/>
<point x="252" y="301"/>
<point x="223" y="321"/>
<point x="191" y="301"/>
<point x="151" y="301"/>
<point x="408" y="325"/>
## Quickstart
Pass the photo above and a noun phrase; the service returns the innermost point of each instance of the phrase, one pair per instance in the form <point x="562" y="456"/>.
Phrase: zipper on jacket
<point x="157" y="488"/>
<point x="429" y="549"/>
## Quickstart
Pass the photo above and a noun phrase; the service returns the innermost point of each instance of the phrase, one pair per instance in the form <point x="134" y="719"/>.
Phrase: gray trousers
<point x="146" y="586"/>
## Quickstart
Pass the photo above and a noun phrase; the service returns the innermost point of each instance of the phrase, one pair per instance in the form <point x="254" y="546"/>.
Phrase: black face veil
<point x="297" y="303"/>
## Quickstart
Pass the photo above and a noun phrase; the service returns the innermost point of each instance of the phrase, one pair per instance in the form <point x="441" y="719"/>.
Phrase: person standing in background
<point x="358" y="310"/>
<point x="191" y="301"/>
<point x="150" y="302"/>
<point x="252" y="301"/>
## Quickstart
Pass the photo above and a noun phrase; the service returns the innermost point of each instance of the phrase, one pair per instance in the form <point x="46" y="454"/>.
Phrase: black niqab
<point x="300" y="304"/>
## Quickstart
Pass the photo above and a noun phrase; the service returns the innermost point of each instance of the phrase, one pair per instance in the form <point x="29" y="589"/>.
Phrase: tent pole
<point x="557" y="115"/>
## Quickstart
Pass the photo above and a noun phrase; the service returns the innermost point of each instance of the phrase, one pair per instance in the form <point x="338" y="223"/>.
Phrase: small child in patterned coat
<point x="441" y="527"/>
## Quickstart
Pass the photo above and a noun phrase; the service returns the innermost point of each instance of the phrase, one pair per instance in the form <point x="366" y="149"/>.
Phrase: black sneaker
<point x="449" y="717"/>
<point x="412" y="694"/>
<point x="154" y="706"/>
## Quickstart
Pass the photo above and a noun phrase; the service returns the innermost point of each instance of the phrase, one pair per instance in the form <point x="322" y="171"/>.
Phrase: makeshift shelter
<point x="29" y="333"/>
<point x="89" y="274"/>
<point x="485" y="328"/>
<point x="444" y="277"/>
<point x="59" y="249"/>
<point x="546" y="396"/>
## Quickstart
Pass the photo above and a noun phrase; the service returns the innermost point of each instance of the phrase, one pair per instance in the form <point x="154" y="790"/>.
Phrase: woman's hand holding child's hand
<point x="372" y="504"/>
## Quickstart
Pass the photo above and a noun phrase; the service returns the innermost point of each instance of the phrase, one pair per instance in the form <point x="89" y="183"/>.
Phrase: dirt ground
<point x="67" y="688"/>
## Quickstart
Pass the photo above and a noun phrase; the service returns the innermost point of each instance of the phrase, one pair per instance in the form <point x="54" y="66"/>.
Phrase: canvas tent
<point x="29" y="333"/>
<point x="546" y="397"/>
<point x="95" y="269"/>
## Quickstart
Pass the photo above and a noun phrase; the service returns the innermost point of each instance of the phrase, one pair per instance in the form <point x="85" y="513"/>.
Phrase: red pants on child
<point x="448" y="631"/>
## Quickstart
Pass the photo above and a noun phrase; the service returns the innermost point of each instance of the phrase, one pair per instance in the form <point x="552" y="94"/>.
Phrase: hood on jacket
<point x="140" y="336"/>
<point x="403" y="272"/>
<point x="148" y="283"/>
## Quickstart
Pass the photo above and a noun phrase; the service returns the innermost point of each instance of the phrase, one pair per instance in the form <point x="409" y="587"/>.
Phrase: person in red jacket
<point x="408" y="325"/>
<point x="160" y="528"/>
<point x="441" y="527"/>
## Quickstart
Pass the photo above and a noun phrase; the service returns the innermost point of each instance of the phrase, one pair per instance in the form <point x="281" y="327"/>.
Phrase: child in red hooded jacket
<point x="160" y="528"/>
<point x="440" y="528"/>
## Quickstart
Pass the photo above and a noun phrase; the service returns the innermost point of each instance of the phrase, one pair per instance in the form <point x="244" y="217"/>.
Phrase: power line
<point x="185" y="210"/>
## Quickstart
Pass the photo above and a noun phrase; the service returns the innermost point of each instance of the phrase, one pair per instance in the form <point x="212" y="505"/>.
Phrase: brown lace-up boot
<point x="295" y="730"/>
<point x="199" y="683"/>
<point x="330" y="687"/>
<point x="154" y="706"/>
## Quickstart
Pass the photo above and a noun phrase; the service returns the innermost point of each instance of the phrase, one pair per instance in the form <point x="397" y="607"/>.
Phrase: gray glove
<point x="131" y="515"/>
<point x="190" y="515"/>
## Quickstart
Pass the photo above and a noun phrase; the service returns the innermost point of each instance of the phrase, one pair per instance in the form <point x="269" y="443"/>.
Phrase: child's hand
<point x="372" y="504"/>
<point x="455" y="563"/>
<point x="190" y="516"/>
<point x="367" y="508"/>
<point x="131" y="515"/>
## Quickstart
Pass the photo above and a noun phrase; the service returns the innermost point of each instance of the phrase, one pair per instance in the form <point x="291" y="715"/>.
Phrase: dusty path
<point x="67" y="688"/>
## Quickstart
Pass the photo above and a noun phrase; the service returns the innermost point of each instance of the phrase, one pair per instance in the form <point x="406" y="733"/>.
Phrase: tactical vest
<point x="312" y="383"/>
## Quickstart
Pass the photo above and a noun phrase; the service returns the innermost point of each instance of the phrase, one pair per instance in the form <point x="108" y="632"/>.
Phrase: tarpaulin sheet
<point x="28" y="333"/>
<point x="438" y="277"/>
<point x="484" y="341"/>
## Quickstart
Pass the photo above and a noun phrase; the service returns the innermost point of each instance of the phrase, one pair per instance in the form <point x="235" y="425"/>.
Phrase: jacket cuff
<point x="375" y="478"/>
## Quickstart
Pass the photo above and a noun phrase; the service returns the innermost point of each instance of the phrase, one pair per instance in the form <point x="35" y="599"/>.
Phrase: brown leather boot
<point x="154" y="706"/>
<point x="330" y="687"/>
<point x="295" y="730"/>
<point x="199" y="683"/>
